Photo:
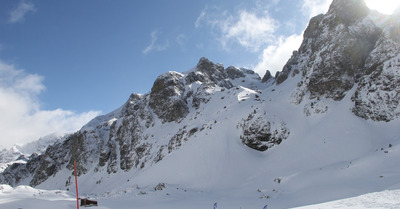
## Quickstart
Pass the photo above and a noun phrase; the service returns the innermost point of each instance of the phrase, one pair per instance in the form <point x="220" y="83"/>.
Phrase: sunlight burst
<point x="383" y="6"/>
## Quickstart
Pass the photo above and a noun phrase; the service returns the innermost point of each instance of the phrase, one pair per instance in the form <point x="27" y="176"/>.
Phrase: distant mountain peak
<point x="195" y="127"/>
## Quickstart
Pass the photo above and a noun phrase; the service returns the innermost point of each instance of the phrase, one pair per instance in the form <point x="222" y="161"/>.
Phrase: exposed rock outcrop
<point x="124" y="139"/>
<point x="167" y="97"/>
<point x="343" y="51"/>
<point x="343" y="48"/>
<point x="261" y="134"/>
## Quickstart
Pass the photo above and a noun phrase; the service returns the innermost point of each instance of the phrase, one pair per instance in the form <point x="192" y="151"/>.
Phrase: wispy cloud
<point x="311" y="8"/>
<point x="22" y="119"/>
<point x="18" y="14"/>
<point x="154" y="45"/>
<point x="257" y="31"/>
<point x="200" y="18"/>
<point x="251" y="30"/>
<point x="275" y="56"/>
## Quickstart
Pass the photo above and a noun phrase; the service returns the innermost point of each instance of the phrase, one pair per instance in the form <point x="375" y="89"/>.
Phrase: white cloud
<point x="257" y="31"/>
<point x="311" y="8"/>
<point x="200" y="18"/>
<point x="383" y="6"/>
<point x="21" y="119"/>
<point x="275" y="56"/>
<point x="251" y="30"/>
<point x="153" y="46"/>
<point x="18" y="14"/>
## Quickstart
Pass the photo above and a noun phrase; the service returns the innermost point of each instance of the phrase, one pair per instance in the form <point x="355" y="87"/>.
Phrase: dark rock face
<point x="167" y="97"/>
<point x="267" y="77"/>
<point x="212" y="74"/>
<point x="108" y="155"/>
<point x="160" y="187"/>
<point x="56" y="157"/>
<point x="234" y="73"/>
<point x="33" y="162"/>
<point x="78" y="153"/>
<point x="334" y="50"/>
<point x="180" y="137"/>
<point x="260" y="134"/>
<point x="126" y="138"/>
<point x="314" y="29"/>
<point x="290" y="67"/>
<point x="120" y="140"/>
<point x="51" y="161"/>
<point x="15" y="173"/>
<point x="348" y="12"/>
<point x="378" y="93"/>
<point x="342" y="48"/>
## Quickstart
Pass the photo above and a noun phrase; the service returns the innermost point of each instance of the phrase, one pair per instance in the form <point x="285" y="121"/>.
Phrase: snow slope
<point x="376" y="200"/>
<point x="28" y="197"/>
<point x="327" y="156"/>
<point x="314" y="134"/>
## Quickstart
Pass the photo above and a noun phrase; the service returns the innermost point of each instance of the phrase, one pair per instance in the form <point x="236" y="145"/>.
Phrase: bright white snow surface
<point x="28" y="197"/>
<point x="327" y="156"/>
<point x="377" y="200"/>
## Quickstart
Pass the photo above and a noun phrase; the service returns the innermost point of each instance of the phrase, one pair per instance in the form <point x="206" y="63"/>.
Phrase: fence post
<point x="76" y="185"/>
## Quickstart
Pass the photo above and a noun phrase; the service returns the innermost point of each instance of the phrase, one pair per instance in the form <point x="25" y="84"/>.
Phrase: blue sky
<point x="64" y="62"/>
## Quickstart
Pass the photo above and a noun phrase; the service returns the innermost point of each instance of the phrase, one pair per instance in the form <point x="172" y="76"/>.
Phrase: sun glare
<point x="383" y="6"/>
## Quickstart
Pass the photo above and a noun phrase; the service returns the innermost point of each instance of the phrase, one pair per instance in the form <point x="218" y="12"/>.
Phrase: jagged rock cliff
<point x="343" y="49"/>
<point x="346" y="56"/>
<point x="378" y="93"/>
<point x="129" y="137"/>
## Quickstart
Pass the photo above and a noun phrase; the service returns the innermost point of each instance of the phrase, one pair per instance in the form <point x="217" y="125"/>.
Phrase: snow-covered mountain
<point x="22" y="153"/>
<point x="348" y="47"/>
<point x="325" y="128"/>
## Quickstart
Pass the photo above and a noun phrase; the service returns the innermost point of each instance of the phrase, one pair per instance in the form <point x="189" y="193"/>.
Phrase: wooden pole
<point x="76" y="185"/>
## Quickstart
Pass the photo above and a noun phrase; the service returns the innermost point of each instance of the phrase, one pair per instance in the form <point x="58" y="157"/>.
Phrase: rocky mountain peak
<point x="267" y="77"/>
<point x="348" y="11"/>
<point x="225" y="108"/>
<point x="336" y="46"/>
<point x="167" y="97"/>
<point x="209" y="73"/>
<point x="342" y="48"/>
<point x="207" y="66"/>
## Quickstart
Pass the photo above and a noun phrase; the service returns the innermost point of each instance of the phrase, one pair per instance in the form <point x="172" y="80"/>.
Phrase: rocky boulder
<point x="261" y="134"/>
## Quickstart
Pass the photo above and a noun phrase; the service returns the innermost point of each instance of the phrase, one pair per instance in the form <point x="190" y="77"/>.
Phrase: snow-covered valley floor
<point x="377" y="200"/>
<point x="27" y="197"/>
